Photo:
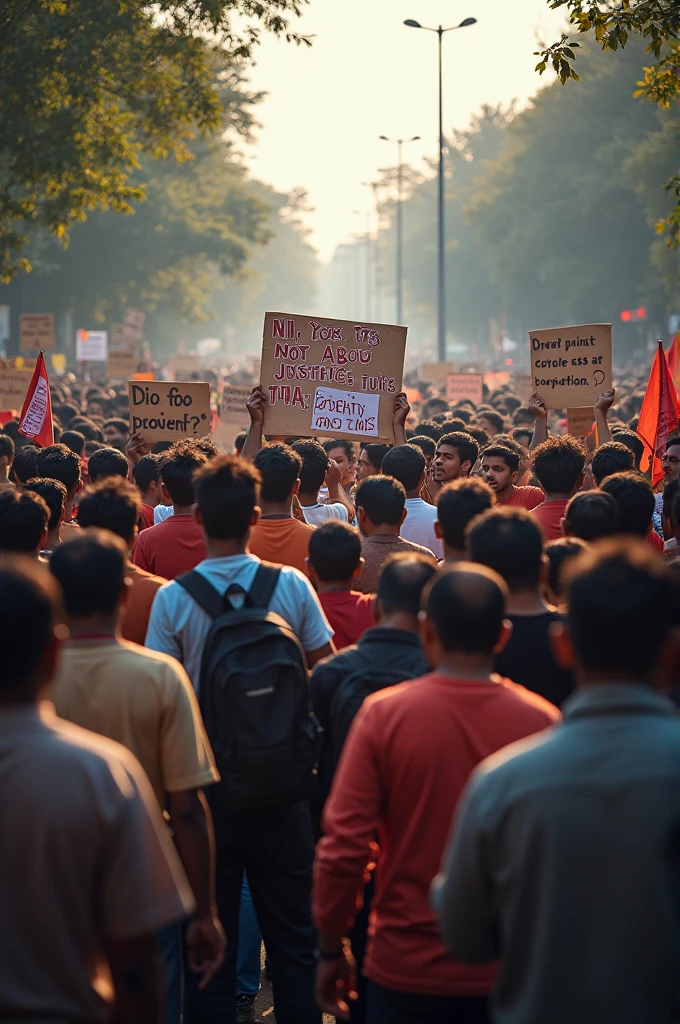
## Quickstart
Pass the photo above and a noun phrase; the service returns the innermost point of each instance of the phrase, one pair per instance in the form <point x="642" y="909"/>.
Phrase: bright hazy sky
<point x="367" y="75"/>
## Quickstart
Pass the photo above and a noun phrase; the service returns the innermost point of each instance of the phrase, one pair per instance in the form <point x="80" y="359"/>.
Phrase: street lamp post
<point x="400" y="224"/>
<point x="441" y="250"/>
<point x="374" y="185"/>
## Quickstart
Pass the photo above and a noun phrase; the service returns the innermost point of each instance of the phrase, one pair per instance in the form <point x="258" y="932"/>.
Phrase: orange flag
<point x="659" y="415"/>
<point x="673" y="359"/>
<point x="36" y="416"/>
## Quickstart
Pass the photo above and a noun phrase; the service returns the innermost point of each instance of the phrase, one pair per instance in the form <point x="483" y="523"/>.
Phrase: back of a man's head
<point x="558" y="464"/>
<point x="227" y="493"/>
<point x="375" y="453"/>
<point x="23" y="467"/>
<point x="6" y="449"/>
<point x="29" y="603"/>
<point x="60" y="463"/>
<point x="406" y="463"/>
<point x="635" y="500"/>
<point x="147" y="472"/>
<point x="383" y="499"/>
<point x="403" y="578"/>
<point x="23" y="521"/>
<point x="466" y="605"/>
<point x="621" y="607"/>
<point x="113" y="505"/>
<point x="611" y="457"/>
<point x="91" y="571"/>
<point x="314" y="465"/>
<point x="334" y="551"/>
<point x="53" y="494"/>
<point x="631" y="440"/>
<point x="105" y="463"/>
<point x="178" y="468"/>
<point x="74" y="440"/>
<point x="591" y="516"/>
<point x="279" y="468"/>
<point x="459" y="503"/>
<point x="509" y="541"/>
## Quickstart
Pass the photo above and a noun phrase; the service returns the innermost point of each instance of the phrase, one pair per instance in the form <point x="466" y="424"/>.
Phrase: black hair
<point x="120" y="424"/>
<point x="635" y="499"/>
<point x="314" y="465"/>
<point x="670" y="492"/>
<point x="479" y="434"/>
<point x="23" y="466"/>
<point x="54" y="495"/>
<point x="177" y="472"/>
<point x="6" y="447"/>
<point x="74" y="440"/>
<point x="107" y="462"/>
<point x="382" y="498"/>
<point x="406" y="463"/>
<point x="518" y="432"/>
<point x="206" y="445"/>
<point x="59" y="463"/>
<point x="558" y="464"/>
<point x="592" y="515"/>
<point x="334" y="551"/>
<point x="66" y="412"/>
<point x="28" y="608"/>
<point x="509" y="541"/>
<point x="633" y="441"/>
<point x="512" y="402"/>
<point x="466" y="603"/>
<point x="675" y="439"/>
<point x="428" y="428"/>
<point x="494" y="418"/>
<point x="346" y="445"/>
<point x="502" y="451"/>
<point x="375" y="453"/>
<point x="146" y="472"/>
<point x="279" y="467"/>
<point x="161" y="447"/>
<point x="463" y="414"/>
<point x="523" y="415"/>
<point x="241" y="440"/>
<point x="611" y="457"/>
<point x="403" y="577"/>
<point x="227" y="491"/>
<point x="23" y="520"/>
<point x="453" y="425"/>
<point x="621" y="607"/>
<point x="113" y="505"/>
<point x="559" y="553"/>
<point x="91" y="571"/>
<point x="464" y="443"/>
<point x="85" y="426"/>
<point x="458" y="504"/>
<point x="426" y="444"/>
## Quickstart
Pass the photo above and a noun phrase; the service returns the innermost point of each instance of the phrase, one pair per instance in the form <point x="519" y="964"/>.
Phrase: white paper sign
<point x="91" y="346"/>
<point x="347" y="412"/>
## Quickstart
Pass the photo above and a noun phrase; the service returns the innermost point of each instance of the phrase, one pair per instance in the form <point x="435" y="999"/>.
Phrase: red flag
<point x="659" y="414"/>
<point x="36" y="416"/>
<point x="673" y="359"/>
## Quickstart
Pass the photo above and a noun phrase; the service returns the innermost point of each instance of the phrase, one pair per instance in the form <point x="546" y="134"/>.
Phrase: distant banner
<point x="437" y="372"/>
<point x="580" y="422"/>
<point x="571" y="366"/>
<point x="92" y="346"/>
<point x="465" y="386"/>
<point x="36" y="331"/>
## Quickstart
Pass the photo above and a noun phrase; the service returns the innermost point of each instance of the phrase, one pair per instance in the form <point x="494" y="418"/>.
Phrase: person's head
<point x="89" y="430"/>
<point x="370" y="460"/>
<point x="6" y="454"/>
<point x="342" y="451"/>
<point x="591" y="516"/>
<point x="279" y="467"/>
<point x="509" y="541"/>
<point x="23" y="465"/>
<point x="671" y="459"/>
<point x="91" y="571"/>
<point x="74" y="440"/>
<point x="334" y="554"/>
<point x="427" y="446"/>
<point x="53" y="494"/>
<point x="178" y="467"/>
<point x="500" y="468"/>
<point x="65" y="412"/>
<point x="406" y="463"/>
<point x="428" y="428"/>
<point x="240" y="442"/>
<point x="559" y="553"/>
<point x="403" y="577"/>
<point x="492" y="422"/>
<point x="206" y="445"/>
<point x="559" y="464"/>
<point x="621" y="608"/>
<point x="95" y="408"/>
<point x="455" y="456"/>
<point x="24" y="516"/>
<point x="116" y="433"/>
<point x="523" y="417"/>
<point x="453" y="425"/>
<point x="670" y="508"/>
<point x="147" y="475"/>
<point x="59" y="463"/>
<point x="380" y="504"/>
<point x="633" y="441"/>
<point x="314" y="466"/>
<point x="523" y="435"/>
<point x="458" y="504"/>
<point x="105" y="463"/>
<point x="635" y="500"/>
<point x="463" y="615"/>
<point x="30" y="632"/>
<point x="435" y="406"/>
<point x="227" y="493"/>
<point x="611" y="457"/>
<point x="112" y="505"/>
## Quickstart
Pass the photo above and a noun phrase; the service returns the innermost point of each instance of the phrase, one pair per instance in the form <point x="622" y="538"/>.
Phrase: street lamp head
<point x="416" y="138"/>
<point x="467" y="21"/>
<point x="384" y="138"/>
<point x="412" y="24"/>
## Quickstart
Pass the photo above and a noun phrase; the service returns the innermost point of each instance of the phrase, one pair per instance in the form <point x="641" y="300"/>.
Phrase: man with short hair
<point x="6" y="459"/>
<point x="564" y="859"/>
<point x="333" y="564"/>
<point x="635" y="500"/>
<point x="23" y="465"/>
<point x="591" y="516"/>
<point x="500" y="470"/>
<point x="147" y="476"/>
<point x="411" y="749"/>
<point x="105" y="463"/>
<point x="454" y="458"/>
<point x="53" y="494"/>
<point x="316" y="469"/>
<point x="381" y="510"/>
<point x="611" y="457"/>
<point x="23" y="523"/>
<point x="370" y="460"/>
<point x="278" y="536"/>
<point x="406" y="463"/>
<point x="558" y="464"/>
<point x="116" y="433"/>
<point x="59" y="463"/>
<point x="492" y="422"/>
<point x="459" y="503"/>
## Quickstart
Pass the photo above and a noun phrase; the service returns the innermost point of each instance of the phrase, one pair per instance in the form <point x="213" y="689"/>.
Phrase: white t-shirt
<point x="178" y="626"/>
<point x="161" y="513"/>
<point x="320" y="513"/>
<point x="419" y="525"/>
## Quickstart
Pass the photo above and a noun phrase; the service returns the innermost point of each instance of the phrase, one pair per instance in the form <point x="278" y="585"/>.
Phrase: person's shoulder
<point x="141" y="576"/>
<point x="70" y="742"/>
<point x="292" y="577"/>
<point x="418" y="548"/>
<point x="340" y="664"/>
<point x="514" y="694"/>
<point x="135" y="659"/>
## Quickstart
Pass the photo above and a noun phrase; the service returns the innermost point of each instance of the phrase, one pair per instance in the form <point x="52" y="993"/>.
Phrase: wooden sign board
<point x="161" y="410"/>
<point x="571" y="366"/>
<point x="36" y="331"/>
<point x="233" y="405"/>
<point x="580" y="422"/>
<point x="122" y="363"/>
<point x="121" y="336"/>
<point x="180" y="366"/>
<point x="461" y="386"/>
<point x="13" y="388"/>
<point x="331" y="378"/>
<point x="133" y="320"/>
<point x="437" y="372"/>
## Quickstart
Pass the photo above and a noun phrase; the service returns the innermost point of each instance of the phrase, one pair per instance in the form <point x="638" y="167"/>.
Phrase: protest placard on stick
<point x="165" y="411"/>
<point x="461" y="386"/>
<point x="571" y="366"/>
<point x="13" y="387"/>
<point x="36" y="331"/>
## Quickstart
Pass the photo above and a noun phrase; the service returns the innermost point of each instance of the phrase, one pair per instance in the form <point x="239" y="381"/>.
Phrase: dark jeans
<point x="276" y="851"/>
<point x="359" y="938"/>
<point x="387" y="1007"/>
<point x="170" y="943"/>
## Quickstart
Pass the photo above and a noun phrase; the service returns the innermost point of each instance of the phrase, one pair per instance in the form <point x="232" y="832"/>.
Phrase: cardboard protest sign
<point x="437" y="372"/>
<point x="13" y="387"/>
<point x="460" y="386"/>
<point x="36" y="331"/>
<point x="121" y="336"/>
<point x="580" y="422"/>
<point x="233" y="405"/>
<point x="165" y="411"/>
<point x="91" y="346"/>
<point x="133" y="321"/>
<point x="571" y="366"/>
<point x="180" y="366"/>
<point x="336" y="378"/>
<point x="122" y="363"/>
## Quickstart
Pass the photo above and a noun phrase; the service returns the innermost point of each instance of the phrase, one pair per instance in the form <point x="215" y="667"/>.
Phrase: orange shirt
<point x="525" y="497"/>
<point x="140" y="595"/>
<point x="549" y="516"/>
<point x="170" y="548"/>
<point x="283" y="541"/>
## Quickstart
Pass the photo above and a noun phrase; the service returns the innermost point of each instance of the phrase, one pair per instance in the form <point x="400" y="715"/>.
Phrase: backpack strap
<point x="264" y="584"/>
<point x="203" y="592"/>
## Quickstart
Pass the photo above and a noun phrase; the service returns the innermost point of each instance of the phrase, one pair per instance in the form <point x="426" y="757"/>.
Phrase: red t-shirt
<point x="170" y="548"/>
<point x="145" y="519"/>
<point x="349" y="613"/>
<point x="655" y="540"/>
<point x="549" y="516"/>
<point x="525" y="497"/>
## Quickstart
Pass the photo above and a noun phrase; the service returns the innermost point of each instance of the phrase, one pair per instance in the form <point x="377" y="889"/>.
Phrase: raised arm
<point x="401" y="411"/>
<point x="602" y="407"/>
<point x="255" y="406"/>
<point x="540" y="414"/>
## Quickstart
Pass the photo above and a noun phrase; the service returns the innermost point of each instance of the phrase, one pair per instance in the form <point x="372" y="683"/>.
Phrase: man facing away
<point x="411" y="750"/>
<point x="559" y="465"/>
<point x="406" y="463"/>
<point x="459" y="503"/>
<point x="565" y="860"/>
<point x="333" y="564"/>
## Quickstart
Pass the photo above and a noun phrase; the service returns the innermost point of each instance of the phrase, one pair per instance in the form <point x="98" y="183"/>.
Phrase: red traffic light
<point x="626" y="315"/>
<point x="634" y="315"/>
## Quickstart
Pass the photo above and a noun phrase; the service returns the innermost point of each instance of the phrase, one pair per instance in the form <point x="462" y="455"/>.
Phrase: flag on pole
<point x="659" y="415"/>
<point x="36" y="416"/>
<point x="673" y="359"/>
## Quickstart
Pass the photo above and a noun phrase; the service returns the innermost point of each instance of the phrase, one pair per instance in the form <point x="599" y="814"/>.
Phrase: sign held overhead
<point x="571" y="366"/>
<point x="165" y="411"/>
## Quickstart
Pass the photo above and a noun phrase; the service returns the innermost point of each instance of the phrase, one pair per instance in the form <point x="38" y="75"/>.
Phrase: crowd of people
<point x="401" y="718"/>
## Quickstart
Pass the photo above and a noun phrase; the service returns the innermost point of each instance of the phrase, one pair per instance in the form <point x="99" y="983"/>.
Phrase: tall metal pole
<point x="400" y="239"/>
<point x="441" y="253"/>
<point x="368" y="267"/>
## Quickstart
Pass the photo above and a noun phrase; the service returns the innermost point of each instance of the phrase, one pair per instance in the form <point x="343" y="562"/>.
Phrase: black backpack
<point x="254" y="697"/>
<point x="352" y="692"/>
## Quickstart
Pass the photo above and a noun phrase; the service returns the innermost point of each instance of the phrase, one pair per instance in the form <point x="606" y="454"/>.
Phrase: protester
<point x="74" y="440"/>
<point x="176" y="545"/>
<point x="611" y="457"/>
<point x="591" y="516"/>
<point x="558" y="464"/>
<point x="454" y="458"/>
<point x="411" y="749"/>
<point x="492" y="422"/>
<point x="6" y="459"/>
<point x="278" y="536"/>
<point x="88" y="871"/>
<point x="23" y="465"/>
<point x="116" y="432"/>
<point x="632" y="441"/>
<point x="500" y="470"/>
<point x="508" y="540"/>
<point x="427" y="446"/>
<point x="333" y="564"/>
<point x="634" y="498"/>
<point x="58" y="462"/>
<point x="23" y="523"/>
<point x="105" y="463"/>
<point x="317" y="470"/>
<point x="559" y="553"/>
<point x="343" y="453"/>
<point x="53" y="494"/>
<point x="407" y="464"/>
<point x="147" y="476"/>
<point x="459" y="503"/>
<point x="370" y="460"/>
<point x="671" y="519"/>
<point x="566" y="845"/>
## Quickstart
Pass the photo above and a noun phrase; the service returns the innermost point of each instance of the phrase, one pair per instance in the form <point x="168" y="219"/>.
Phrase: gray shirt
<point x="565" y="864"/>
